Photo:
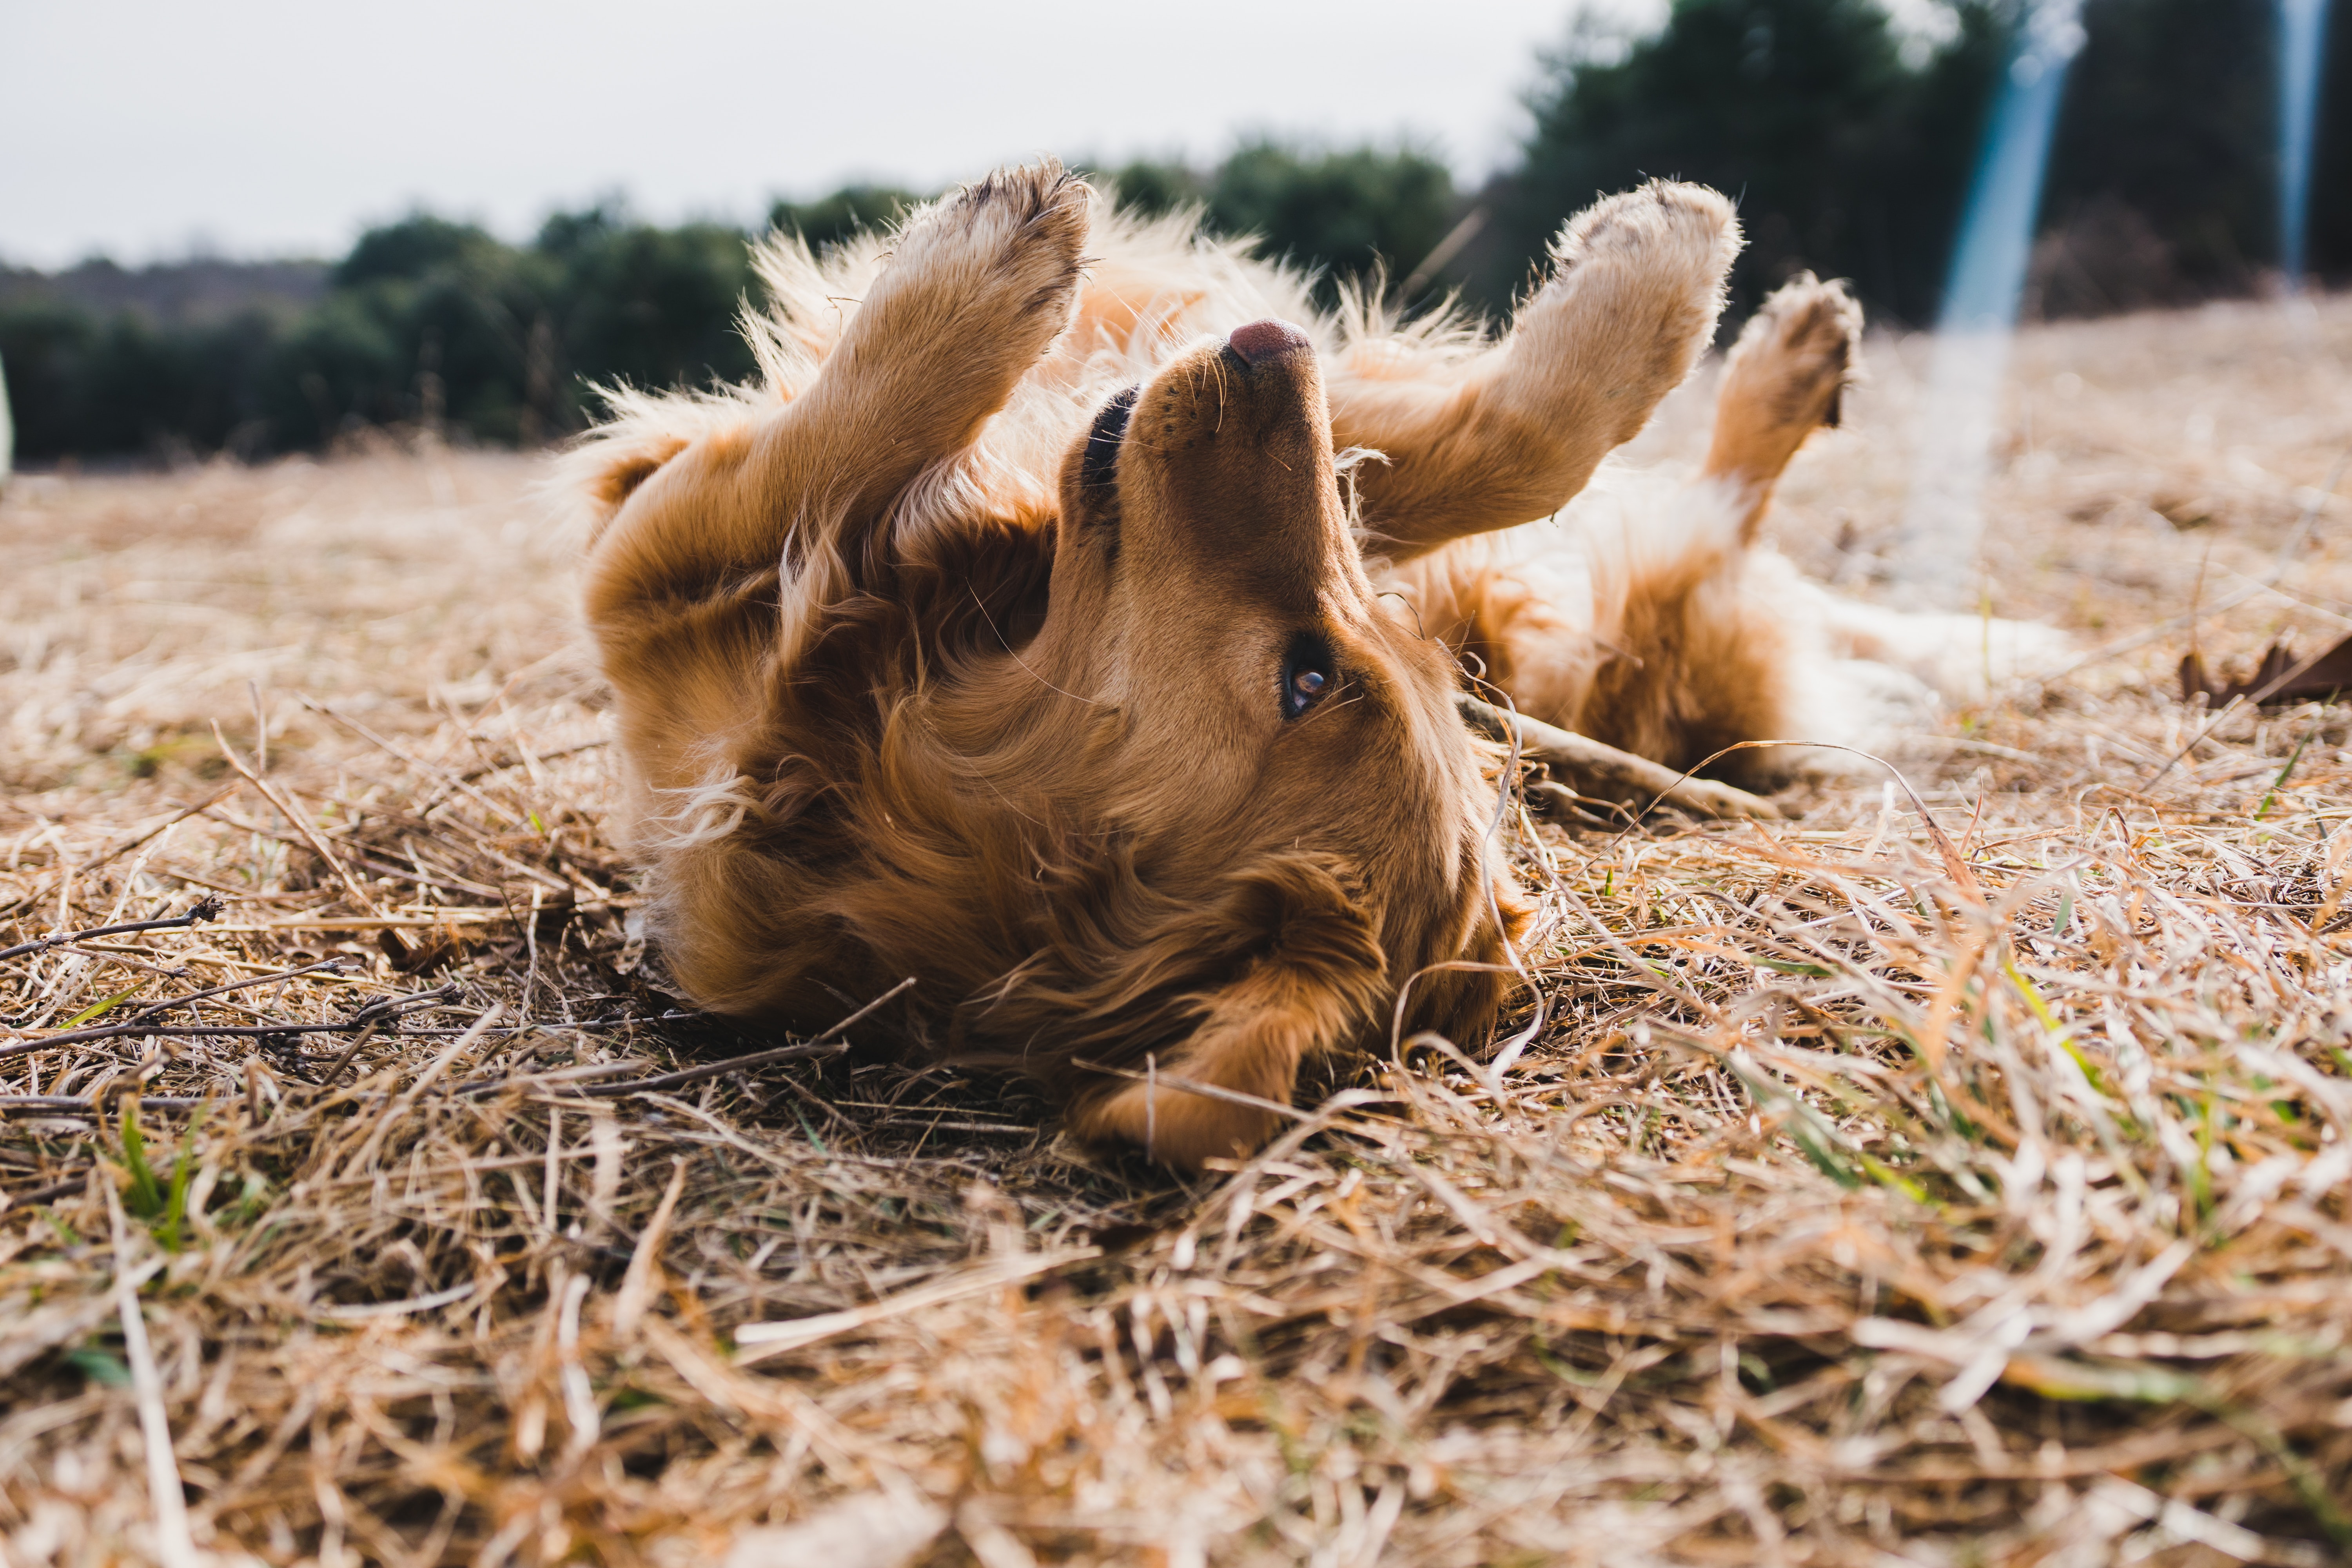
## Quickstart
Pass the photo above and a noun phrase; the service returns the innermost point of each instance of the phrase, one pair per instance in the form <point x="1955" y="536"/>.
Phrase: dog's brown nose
<point x="1263" y="341"/>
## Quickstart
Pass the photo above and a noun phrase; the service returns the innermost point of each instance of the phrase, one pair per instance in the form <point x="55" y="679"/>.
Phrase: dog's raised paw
<point x="1683" y="234"/>
<point x="1786" y="377"/>
<point x="1637" y="284"/>
<point x="1043" y="192"/>
<point x="1004" y="251"/>
<point x="1798" y="353"/>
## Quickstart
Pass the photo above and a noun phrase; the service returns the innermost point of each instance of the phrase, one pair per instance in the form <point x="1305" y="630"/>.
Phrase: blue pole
<point x="1936" y="546"/>
<point x="1989" y="266"/>
<point x="2302" y="28"/>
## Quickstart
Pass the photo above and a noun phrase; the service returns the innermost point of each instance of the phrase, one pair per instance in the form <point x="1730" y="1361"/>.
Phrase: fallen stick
<point x="375" y="1012"/>
<point x="155" y="1009"/>
<point x="378" y="1012"/>
<point x="128" y="845"/>
<point x="72" y="1104"/>
<point x="78" y="1182"/>
<point x="327" y="857"/>
<point x="1609" y="773"/>
<point x="451" y="915"/>
<point x="208" y="908"/>
<point x="413" y="761"/>
<point x="759" y="1339"/>
<point x="815" y="1046"/>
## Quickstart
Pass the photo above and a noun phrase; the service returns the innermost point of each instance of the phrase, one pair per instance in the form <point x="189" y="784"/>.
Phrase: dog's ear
<point x="1313" y="977"/>
<point x="603" y="468"/>
<point x="624" y="471"/>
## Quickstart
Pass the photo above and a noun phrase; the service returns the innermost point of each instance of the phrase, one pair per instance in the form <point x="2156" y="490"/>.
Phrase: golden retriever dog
<point x="1068" y="618"/>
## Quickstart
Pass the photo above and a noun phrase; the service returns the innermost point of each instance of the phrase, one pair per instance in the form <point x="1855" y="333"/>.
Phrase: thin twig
<point x="75" y="1183"/>
<point x="1606" y="768"/>
<point x="553" y="1027"/>
<point x="133" y="842"/>
<point x="708" y="1069"/>
<point x="815" y="1047"/>
<point x="445" y="776"/>
<point x="335" y="1068"/>
<point x="166" y="1003"/>
<point x="374" y="1012"/>
<point x="84" y="1102"/>
<point x="205" y="909"/>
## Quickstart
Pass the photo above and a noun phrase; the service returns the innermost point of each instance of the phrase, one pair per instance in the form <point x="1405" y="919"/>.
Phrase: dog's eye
<point x="1307" y="673"/>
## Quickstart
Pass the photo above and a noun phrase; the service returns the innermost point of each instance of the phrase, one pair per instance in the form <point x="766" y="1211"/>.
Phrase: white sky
<point x="145" y="128"/>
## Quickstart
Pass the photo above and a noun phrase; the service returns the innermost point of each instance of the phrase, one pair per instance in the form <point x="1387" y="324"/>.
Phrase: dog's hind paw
<point x="1786" y="377"/>
<point x="1796" y="357"/>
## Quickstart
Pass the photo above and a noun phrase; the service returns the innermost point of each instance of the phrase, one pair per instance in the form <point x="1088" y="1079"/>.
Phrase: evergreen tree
<point x="2331" y="163"/>
<point x="1844" y="157"/>
<point x="2163" y="180"/>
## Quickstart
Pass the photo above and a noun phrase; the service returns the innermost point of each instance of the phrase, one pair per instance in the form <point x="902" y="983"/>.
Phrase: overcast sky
<point x="144" y="129"/>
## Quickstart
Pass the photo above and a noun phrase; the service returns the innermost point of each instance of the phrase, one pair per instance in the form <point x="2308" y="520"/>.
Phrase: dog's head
<point x="1277" y="744"/>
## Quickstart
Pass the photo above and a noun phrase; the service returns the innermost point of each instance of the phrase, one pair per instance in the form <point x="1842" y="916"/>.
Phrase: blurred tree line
<point x="425" y="324"/>
<point x="1848" y="143"/>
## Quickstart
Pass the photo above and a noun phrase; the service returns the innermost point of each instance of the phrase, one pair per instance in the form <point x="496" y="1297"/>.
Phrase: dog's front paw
<point x="1002" y="256"/>
<point x="1637" y="282"/>
<point x="1679" y="237"/>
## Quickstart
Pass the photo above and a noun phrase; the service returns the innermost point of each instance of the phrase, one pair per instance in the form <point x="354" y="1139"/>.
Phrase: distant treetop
<point x="831" y="219"/>
<point x="412" y="248"/>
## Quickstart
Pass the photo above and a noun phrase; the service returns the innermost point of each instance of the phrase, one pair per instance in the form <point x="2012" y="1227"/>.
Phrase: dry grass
<point x="1856" y="1206"/>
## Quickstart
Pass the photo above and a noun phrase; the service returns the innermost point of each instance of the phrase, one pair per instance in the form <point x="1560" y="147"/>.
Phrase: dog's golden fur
<point x="934" y="657"/>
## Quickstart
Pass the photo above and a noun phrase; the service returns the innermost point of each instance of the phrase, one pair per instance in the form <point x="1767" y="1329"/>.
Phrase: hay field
<point x="1860" y="1203"/>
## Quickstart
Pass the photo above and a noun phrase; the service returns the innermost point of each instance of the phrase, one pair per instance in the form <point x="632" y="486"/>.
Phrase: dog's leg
<point x="1636" y="284"/>
<point x="1320" y="981"/>
<point x="1719" y="646"/>
<point x="1786" y="376"/>
<point x="977" y="290"/>
<point x="1193" y="1105"/>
